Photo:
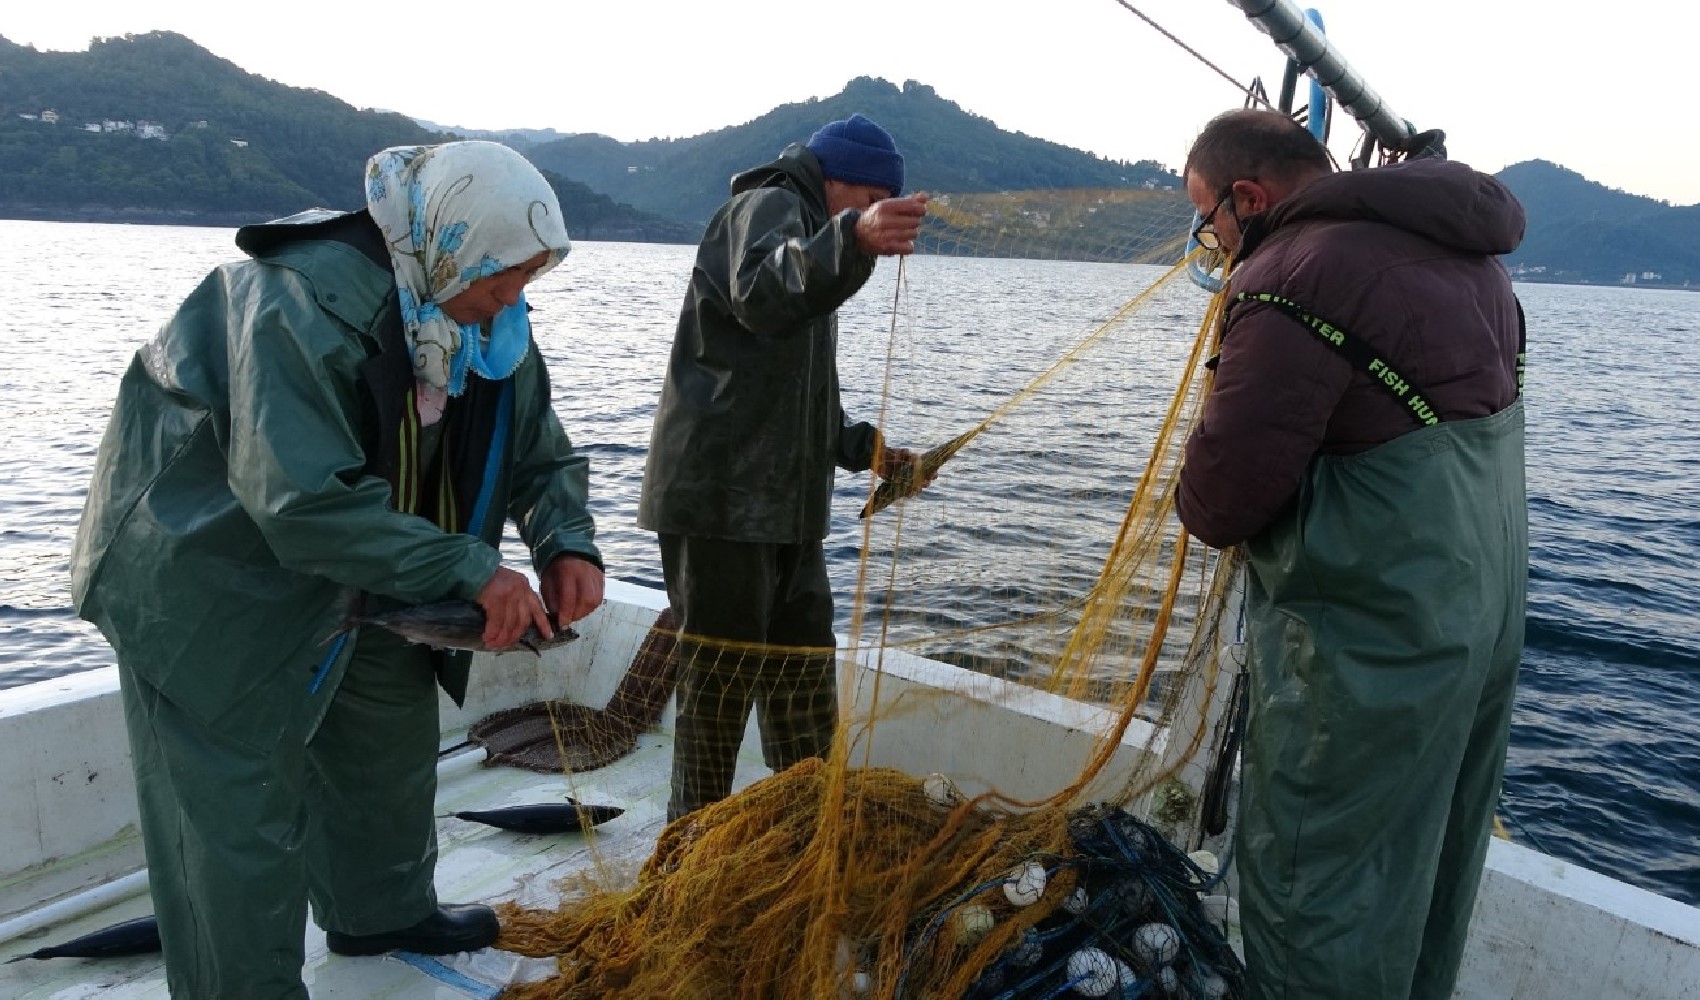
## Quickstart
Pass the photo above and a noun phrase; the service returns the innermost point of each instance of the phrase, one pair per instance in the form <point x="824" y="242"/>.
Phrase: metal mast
<point x="1307" y="46"/>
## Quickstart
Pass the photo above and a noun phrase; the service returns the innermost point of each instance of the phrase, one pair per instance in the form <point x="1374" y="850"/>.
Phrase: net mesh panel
<point x="846" y="877"/>
<point x="552" y="737"/>
<point x="1117" y="226"/>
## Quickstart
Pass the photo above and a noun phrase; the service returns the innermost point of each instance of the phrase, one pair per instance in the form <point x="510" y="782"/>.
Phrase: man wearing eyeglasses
<point x="1363" y="442"/>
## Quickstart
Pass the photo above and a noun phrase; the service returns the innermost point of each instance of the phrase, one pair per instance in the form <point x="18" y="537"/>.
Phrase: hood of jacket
<point x="795" y="168"/>
<point x="1439" y="200"/>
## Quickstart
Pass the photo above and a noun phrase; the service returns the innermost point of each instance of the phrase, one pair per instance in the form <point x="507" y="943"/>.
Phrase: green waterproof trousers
<point x="746" y="594"/>
<point x="239" y="837"/>
<point x="1384" y="628"/>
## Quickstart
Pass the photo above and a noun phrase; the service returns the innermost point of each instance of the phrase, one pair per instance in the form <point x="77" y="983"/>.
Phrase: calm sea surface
<point x="1604" y="768"/>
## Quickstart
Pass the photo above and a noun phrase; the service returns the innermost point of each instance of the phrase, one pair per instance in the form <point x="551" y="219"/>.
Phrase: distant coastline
<point x="131" y="215"/>
<point x="138" y="216"/>
<point x="232" y="220"/>
<point x="1524" y="279"/>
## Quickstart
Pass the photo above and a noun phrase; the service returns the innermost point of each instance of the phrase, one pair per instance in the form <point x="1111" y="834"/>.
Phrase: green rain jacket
<point x="260" y="468"/>
<point x="749" y="426"/>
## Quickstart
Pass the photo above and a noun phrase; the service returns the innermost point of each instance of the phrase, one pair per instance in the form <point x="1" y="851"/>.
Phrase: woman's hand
<point x="572" y="588"/>
<point x="510" y="607"/>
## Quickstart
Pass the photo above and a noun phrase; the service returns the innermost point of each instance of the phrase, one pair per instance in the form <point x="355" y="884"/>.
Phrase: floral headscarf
<point x="452" y="214"/>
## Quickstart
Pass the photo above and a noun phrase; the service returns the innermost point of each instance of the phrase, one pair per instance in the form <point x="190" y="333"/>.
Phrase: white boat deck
<point x="477" y="863"/>
<point x="70" y="858"/>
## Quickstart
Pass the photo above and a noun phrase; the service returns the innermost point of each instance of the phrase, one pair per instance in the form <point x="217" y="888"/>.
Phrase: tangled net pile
<point x="846" y="878"/>
<point x="947" y="899"/>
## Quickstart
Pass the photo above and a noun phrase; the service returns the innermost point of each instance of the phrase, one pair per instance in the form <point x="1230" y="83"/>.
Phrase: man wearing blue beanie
<point x="857" y="151"/>
<point x="747" y="435"/>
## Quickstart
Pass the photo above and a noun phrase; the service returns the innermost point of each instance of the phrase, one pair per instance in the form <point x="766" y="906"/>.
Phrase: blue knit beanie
<point x="856" y="151"/>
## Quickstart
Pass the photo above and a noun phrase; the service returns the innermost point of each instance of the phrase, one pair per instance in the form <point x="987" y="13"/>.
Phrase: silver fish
<point x="544" y="817"/>
<point x="454" y="624"/>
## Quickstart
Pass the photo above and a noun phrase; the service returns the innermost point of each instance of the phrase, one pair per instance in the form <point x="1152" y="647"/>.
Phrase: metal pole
<point x="1306" y="45"/>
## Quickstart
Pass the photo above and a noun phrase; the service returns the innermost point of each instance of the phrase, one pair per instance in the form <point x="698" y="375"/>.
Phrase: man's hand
<point x="892" y="462"/>
<point x="891" y="226"/>
<point x="903" y="467"/>
<point x="572" y="588"/>
<point x="510" y="607"/>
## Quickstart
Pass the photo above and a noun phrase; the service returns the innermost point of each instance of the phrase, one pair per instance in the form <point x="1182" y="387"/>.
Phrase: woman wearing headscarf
<point x="349" y="415"/>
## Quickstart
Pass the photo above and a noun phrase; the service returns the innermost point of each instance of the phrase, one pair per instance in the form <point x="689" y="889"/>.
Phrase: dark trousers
<point x="756" y="629"/>
<point x="239" y="838"/>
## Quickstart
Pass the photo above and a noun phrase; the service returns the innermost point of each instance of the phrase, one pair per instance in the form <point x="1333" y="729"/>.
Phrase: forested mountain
<point x="1581" y="231"/>
<point x="154" y="128"/>
<point x="519" y="138"/>
<point x="946" y="149"/>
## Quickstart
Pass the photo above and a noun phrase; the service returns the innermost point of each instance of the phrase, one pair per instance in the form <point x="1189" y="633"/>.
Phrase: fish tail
<point x="351" y="609"/>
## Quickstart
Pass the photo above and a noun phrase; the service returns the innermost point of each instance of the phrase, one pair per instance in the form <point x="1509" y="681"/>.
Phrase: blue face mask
<point x="510" y="337"/>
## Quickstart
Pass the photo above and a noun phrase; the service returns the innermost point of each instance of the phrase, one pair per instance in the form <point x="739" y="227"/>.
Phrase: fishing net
<point x="907" y="863"/>
<point x="1113" y="225"/>
<point x="551" y="737"/>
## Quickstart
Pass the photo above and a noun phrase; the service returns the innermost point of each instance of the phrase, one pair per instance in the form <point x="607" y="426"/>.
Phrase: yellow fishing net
<point x="909" y="864"/>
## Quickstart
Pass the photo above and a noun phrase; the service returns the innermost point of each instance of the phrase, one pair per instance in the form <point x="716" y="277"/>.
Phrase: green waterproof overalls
<point x="1384" y="622"/>
<point x="263" y="461"/>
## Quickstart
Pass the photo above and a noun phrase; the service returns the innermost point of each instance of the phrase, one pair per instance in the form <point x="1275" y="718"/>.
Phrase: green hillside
<point x="1581" y="231"/>
<point x="946" y="149"/>
<point x="228" y="147"/>
<point x="154" y="128"/>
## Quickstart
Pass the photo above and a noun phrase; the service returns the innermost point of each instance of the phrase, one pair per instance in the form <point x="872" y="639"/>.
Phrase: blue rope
<point x="449" y="977"/>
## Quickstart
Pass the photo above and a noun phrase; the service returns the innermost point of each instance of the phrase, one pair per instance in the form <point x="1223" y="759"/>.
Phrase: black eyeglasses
<point x="1204" y="234"/>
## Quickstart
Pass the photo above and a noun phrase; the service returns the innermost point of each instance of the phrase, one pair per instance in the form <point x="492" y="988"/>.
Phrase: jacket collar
<point x="796" y="169"/>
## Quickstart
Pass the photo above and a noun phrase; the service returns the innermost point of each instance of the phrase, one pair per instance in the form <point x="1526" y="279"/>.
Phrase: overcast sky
<point x="1601" y="90"/>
